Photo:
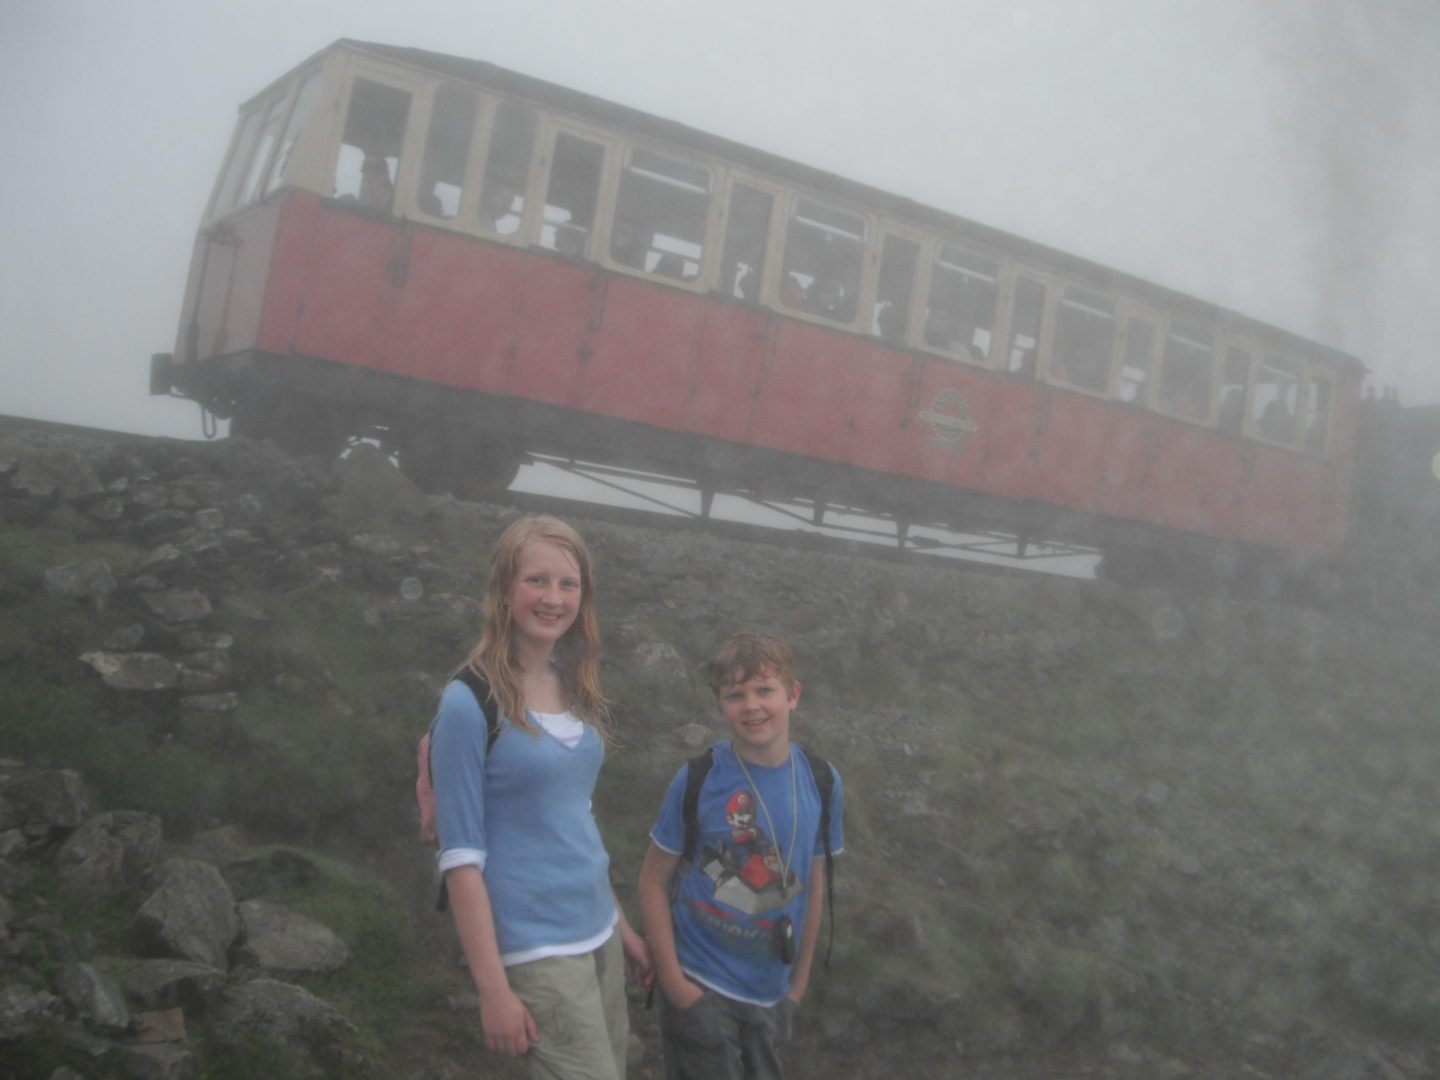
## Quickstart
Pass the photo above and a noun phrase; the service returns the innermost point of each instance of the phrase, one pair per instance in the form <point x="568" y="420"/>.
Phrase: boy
<point x="732" y="943"/>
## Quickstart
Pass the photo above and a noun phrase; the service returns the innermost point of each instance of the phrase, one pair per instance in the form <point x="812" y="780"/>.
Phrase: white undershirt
<point x="564" y="727"/>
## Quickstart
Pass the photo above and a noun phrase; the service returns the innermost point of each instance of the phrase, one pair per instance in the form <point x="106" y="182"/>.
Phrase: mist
<point x="1277" y="159"/>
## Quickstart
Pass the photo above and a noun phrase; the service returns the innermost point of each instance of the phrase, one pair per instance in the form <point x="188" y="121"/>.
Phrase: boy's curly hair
<point x="745" y="655"/>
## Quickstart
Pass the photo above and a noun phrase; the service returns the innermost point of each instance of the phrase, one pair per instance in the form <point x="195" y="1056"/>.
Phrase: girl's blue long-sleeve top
<point x="521" y="813"/>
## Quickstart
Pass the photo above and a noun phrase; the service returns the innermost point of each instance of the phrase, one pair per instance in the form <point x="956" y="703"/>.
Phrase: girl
<point x="527" y="874"/>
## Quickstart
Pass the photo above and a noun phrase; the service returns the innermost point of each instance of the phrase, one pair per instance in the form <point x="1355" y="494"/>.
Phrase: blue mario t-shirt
<point x="752" y="868"/>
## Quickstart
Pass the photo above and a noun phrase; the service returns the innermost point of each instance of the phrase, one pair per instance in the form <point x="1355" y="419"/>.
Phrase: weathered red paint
<point x="300" y="276"/>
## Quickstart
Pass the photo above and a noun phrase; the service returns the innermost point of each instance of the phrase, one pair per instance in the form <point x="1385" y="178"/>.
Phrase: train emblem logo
<point x="949" y="420"/>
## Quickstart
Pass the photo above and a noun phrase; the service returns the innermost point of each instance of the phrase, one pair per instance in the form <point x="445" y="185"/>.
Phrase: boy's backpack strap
<point x="695" y="773"/>
<point x="825" y="785"/>
<point x="480" y="687"/>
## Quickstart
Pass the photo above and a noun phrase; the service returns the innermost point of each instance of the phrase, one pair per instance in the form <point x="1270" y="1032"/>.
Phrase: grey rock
<point x="177" y="605"/>
<point x="191" y="915"/>
<point x="50" y="472"/>
<point x="277" y="939"/>
<point x="171" y="984"/>
<point x="309" y="1038"/>
<point x="81" y="580"/>
<point x="54" y="798"/>
<point x="23" y="1010"/>
<point x="157" y="1061"/>
<point x="125" y="638"/>
<point x="99" y="1003"/>
<point x="134" y="671"/>
<point x="109" y="854"/>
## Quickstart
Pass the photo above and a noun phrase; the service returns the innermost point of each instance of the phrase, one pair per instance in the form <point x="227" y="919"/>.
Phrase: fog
<point x="1277" y="158"/>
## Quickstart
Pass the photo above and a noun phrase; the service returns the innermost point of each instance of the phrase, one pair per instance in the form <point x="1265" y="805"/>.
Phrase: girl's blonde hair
<point x="577" y="653"/>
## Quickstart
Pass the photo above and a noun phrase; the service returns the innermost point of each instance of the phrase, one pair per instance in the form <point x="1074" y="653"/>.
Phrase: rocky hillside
<point x="1090" y="832"/>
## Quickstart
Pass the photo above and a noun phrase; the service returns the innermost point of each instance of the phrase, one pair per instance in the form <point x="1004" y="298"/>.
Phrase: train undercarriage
<point x="472" y="445"/>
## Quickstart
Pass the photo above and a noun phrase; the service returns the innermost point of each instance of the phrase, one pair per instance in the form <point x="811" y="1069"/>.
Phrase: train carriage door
<point x="509" y="170"/>
<point x="1275" y="403"/>
<point x="367" y="164"/>
<point x="1026" y="326"/>
<point x="740" y="337"/>
<point x="445" y="161"/>
<point x="659" y="228"/>
<point x="1016" y="409"/>
<point x="453" y="309"/>
<point x="1186" y="473"/>
<point x="892" y="306"/>
<point x="561" y="301"/>
<point x="1132" y="435"/>
<point x="1315" y="420"/>
<point x="1072" y="441"/>
<point x="954" y="306"/>
<point x="572" y="194"/>
<point x="817" y="388"/>
<point x="356" y="263"/>
<point x="1234" y="389"/>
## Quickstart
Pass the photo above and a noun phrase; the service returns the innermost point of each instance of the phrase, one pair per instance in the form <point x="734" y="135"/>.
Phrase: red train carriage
<point x="472" y="266"/>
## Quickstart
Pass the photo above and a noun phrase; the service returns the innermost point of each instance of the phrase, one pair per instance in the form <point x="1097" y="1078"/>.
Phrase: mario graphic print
<point x="746" y="867"/>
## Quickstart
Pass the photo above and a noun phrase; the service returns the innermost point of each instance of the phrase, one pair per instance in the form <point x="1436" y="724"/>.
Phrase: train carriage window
<point x="1138" y="362"/>
<point x="299" y="114"/>
<point x="572" y="196"/>
<point x="369" y="158"/>
<point x="960" y="310"/>
<point x="1025" y="324"/>
<point x="235" y="171"/>
<point x="1234" y="381"/>
<point x="1317" y="414"/>
<point x="747" y="230"/>
<point x="1274" y="403"/>
<point x="899" y="261"/>
<point x="1084" y="339"/>
<point x="1187" y="372"/>
<point x="661" y="211"/>
<point x="447" y="152"/>
<point x="824" y="254"/>
<point x="268" y="130"/>
<point x="507" y="169"/>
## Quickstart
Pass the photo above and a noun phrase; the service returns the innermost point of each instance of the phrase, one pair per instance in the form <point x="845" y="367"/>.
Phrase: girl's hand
<point x="508" y="1025"/>
<point x="638" y="965"/>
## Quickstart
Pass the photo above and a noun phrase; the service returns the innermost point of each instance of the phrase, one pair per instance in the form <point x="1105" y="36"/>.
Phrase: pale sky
<point x="1278" y="157"/>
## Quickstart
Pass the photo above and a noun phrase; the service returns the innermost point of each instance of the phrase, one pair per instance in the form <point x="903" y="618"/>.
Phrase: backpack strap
<point x="480" y="687"/>
<point x="825" y="785"/>
<point x="696" y="771"/>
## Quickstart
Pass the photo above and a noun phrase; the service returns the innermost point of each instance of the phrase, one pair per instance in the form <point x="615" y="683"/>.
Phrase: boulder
<point x="94" y="997"/>
<point x="82" y="580"/>
<point x="55" y="798"/>
<point x="135" y="670"/>
<point x="191" y="915"/>
<point x="110" y="854"/>
<point x="158" y="985"/>
<point x="277" y="939"/>
<point x="307" y="1039"/>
